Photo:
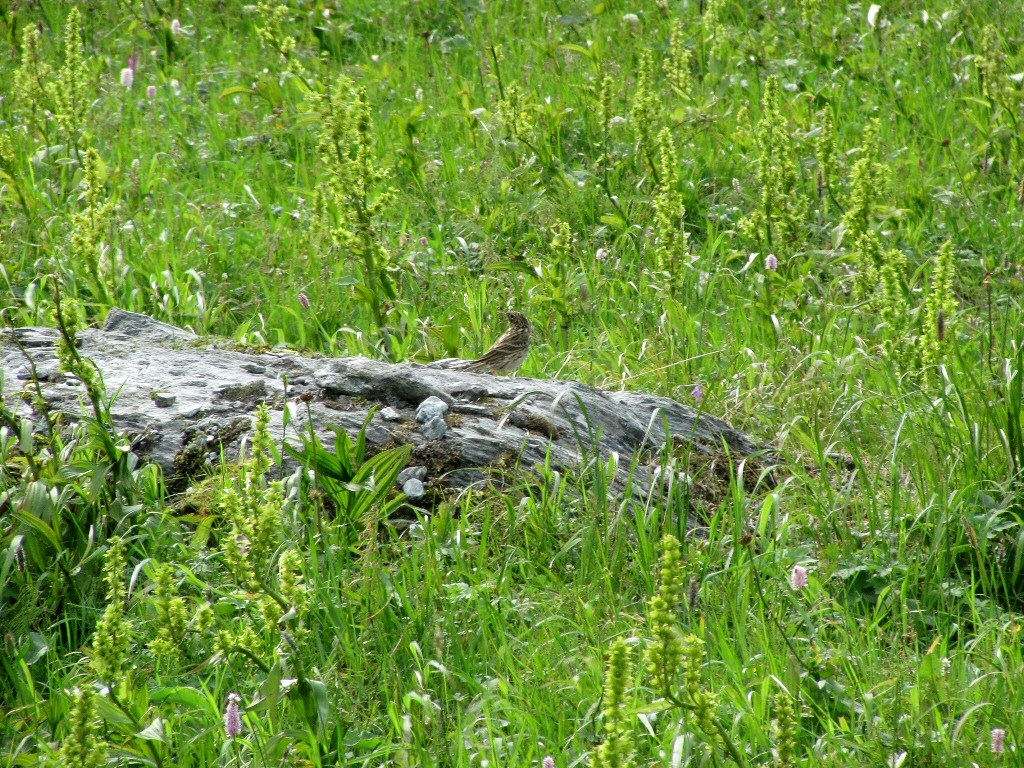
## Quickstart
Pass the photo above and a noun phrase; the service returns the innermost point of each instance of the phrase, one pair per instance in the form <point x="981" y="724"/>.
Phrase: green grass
<point x="478" y="636"/>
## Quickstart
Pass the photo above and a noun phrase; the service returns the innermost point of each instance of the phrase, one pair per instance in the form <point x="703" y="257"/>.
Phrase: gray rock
<point x="389" y="414"/>
<point x="434" y="429"/>
<point x="430" y="409"/>
<point x="413" y="488"/>
<point x="162" y="400"/>
<point x="493" y="420"/>
<point x="412" y="473"/>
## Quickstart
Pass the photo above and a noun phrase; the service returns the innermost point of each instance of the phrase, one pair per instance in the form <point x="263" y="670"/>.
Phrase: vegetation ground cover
<point x="804" y="218"/>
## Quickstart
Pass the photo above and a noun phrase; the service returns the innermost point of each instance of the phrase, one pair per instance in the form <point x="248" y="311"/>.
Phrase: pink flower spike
<point x="133" y="63"/>
<point x="175" y="27"/>
<point x="232" y="717"/>
<point x="998" y="740"/>
<point x="127" y="77"/>
<point x="771" y="262"/>
<point x="698" y="393"/>
<point x="304" y="300"/>
<point x="548" y="762"/>
<point x="151" y="92"/>
<point x="798" y="579"/>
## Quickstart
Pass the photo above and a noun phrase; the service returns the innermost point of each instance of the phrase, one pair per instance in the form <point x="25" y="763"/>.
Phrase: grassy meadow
<point x="804" y="218"/>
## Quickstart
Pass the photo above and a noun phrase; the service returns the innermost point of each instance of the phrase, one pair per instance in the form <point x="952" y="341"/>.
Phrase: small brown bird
<point x="506" y="354"/>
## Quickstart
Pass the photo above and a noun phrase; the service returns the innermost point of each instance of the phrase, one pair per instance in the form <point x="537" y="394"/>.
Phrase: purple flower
<point x="127" y="77"/>
<point x="548" y="762"/>
<point x="133" y="63"/>
<point x="175" y="27"/>
<point x="770" y="262"/>
<point x="151" y="92"/>
<point x="304" y="300"/>
<point x="698" y="393"/>
<point x="601" y="254"/>
<point x="998" y="740"/>
<point x="424" y="242"/>
<point x="232" y="717"/>
<point x="798" y="578"/>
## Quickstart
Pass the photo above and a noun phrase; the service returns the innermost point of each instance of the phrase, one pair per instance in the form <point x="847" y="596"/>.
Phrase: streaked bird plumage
<point x="506" y="355"/>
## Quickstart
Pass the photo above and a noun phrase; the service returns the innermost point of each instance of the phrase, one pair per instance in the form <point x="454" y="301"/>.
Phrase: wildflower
<point x="698" y="393"/>
<point x="616" y="121"/>
<point x="232" y="717"/>
<point x="798" y="578"/>
<point x="631" y="18"/>
<point x="601" y="254"/>
<point x="304" y="300"/>
<point x="151" y="92"/>
<point x="175" y="27"/>
<point x="998" y="740"/>
<point x="424" y="241"/>
<point x="127" y="77"/>
<point x="133" y="63"/>
<point x="771" y="262"/>
<point x="548" y="762"/>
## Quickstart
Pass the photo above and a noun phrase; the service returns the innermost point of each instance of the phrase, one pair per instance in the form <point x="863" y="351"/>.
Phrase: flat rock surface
<point x="178" y="397"/>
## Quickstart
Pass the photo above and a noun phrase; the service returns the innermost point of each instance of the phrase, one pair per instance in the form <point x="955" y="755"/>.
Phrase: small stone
<point x="431" y="408"/>
<point x="413" y="488"/>
<point x="412" y="473"/>
<point x="434" y="429"/>
<point x="390" y="414"/>
<point x="254" y="368"/>
<point x="163" y="400"/>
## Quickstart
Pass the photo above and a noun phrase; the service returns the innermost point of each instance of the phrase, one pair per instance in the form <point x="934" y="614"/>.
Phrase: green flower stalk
<point x="170" y="614"/>
<point x="71" y="94"/>
<point x="665" y="652"/>
<point x="293" y="587"/>
<point x="694" y="694"/>
<point x="112" y="640"/>
<point x="204" y="618"/>
<point x="672" y="242"/>
<point x="83" y="748"/>
<point x="827" y="154"/>
<point x="644" y="112"/>
<point x="270" y="31"/>
<point x="561" y="242"/>
<point x="939" y="309"/>
<point x="679" y="61"/>
<point x="357" y="192"/>
<point x="254" y="509"/>
<point x="262" y="444"/>
<point x="513" y="113"/>
<point x="786" y="724"/>
<point x="67" y="316"/>
<point x="616" y="751"/>
<point x="91" y="227"/>
<point x="869" y="179"/>
<point x="714" y="30"/>
<point x="34" y="87"/>
<point x="782" y="210"/>
<point x="992" y="70"/>
<point x="895" y="312"/>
